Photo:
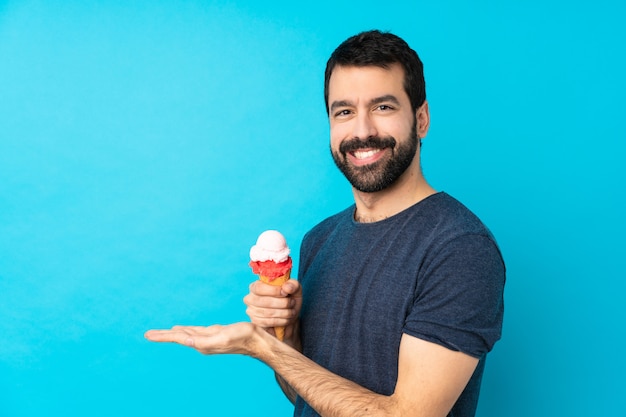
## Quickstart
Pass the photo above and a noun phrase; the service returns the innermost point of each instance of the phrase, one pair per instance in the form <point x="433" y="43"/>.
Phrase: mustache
<point x="373" y="142"/>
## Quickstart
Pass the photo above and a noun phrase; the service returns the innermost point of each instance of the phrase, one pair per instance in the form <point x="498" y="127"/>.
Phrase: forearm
<point x="329" y="394"/>
<point x="430" y="377"/>
<point x="294" y="342"/>
<point x="287" y="389"/>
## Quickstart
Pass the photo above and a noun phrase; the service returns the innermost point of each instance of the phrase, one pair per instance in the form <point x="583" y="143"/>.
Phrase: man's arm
<point x="430" y="377"/>
<point x="269" y="306"/>
<point x="287" y="389"/>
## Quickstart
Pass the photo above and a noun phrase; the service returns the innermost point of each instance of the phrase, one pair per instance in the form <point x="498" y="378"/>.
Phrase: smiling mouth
<point x="368" y="151"/>
<point x="362" y="149"/>
<point x="361" y="154"/>
<point x="368" y="156"/>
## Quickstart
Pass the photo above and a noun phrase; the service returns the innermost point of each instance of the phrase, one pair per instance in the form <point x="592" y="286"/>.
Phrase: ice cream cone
<point x="277" y="282"/>
<point x="270" y="260"/>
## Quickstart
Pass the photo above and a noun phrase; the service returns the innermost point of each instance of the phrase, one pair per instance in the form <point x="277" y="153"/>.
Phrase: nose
<point x="364" y="127"/>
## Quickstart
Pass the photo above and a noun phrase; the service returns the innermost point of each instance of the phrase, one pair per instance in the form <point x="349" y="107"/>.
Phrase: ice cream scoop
<point x="270" y="246"/>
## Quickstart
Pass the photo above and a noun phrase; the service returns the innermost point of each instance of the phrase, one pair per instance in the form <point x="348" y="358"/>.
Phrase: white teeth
<point x="365" y="154"/>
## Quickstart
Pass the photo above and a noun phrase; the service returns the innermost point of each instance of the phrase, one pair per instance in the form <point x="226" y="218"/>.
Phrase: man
<point x="400" y="296"/>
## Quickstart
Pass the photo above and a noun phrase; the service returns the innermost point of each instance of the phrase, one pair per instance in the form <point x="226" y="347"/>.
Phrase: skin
<point x="363" y="101"/>
<point x="371" y="101"/>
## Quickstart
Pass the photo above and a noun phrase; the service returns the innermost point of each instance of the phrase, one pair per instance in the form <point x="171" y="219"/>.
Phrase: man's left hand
<point x="234" y="338"/>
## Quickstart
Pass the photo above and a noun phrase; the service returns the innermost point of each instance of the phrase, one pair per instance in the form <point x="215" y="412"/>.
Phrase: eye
<point x="342" y="113"/>
<point x="384" y="107"/>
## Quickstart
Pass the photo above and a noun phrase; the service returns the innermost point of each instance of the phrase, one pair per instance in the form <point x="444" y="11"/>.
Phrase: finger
<point x="268" y="302"/>
<point x="262" y="289"/>
<point x="184" y="335"/>
<point x="168" y="336"/>
<point x="190" y="329"/>
<point x="271" y="313"/>
<point x="280" y="318"/>
<point x="291" y="287"/>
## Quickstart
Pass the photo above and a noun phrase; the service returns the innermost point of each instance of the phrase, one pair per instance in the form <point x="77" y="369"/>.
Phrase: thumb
<point x="290" y="287"/>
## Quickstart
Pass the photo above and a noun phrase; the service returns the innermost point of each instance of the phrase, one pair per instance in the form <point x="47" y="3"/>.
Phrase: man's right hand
<point x="270" y="306"/>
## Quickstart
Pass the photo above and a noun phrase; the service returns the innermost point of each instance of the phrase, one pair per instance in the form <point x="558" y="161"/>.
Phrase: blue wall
<point x="144" y="146"/>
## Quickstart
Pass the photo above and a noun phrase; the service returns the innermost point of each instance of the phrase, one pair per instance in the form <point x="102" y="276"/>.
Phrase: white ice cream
<point x="270" y="246"/>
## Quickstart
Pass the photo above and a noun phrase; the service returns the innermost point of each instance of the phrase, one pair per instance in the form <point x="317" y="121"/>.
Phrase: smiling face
<point x="374" y="134"/>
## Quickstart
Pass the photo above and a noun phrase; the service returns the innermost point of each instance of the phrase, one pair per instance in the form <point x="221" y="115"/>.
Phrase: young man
<point x="400" y="296"/>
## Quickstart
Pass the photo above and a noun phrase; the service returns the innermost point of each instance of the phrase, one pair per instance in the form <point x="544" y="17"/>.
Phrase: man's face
<point x="373" y="136"/>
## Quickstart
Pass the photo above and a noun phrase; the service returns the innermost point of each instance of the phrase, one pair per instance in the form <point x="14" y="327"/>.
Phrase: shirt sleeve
<point x="459" y="301"/>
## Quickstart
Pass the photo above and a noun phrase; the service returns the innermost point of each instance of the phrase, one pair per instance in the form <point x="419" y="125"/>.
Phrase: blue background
<point x="144" y="145"/>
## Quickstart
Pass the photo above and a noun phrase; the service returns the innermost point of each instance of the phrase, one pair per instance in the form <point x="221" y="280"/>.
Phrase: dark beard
<point x="381" y="174"/>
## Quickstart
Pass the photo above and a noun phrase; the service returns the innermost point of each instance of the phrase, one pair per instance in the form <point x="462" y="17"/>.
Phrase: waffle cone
<point x="277" y="282"/>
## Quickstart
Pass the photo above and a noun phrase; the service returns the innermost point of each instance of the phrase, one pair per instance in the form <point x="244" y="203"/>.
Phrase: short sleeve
<point x="459" y="301"/>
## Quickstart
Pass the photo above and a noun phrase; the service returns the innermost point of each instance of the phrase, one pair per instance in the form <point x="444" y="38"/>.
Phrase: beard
<point x="382" y="173"/>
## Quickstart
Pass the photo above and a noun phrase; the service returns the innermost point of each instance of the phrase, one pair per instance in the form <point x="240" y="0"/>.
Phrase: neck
<point x="410" y="188"/>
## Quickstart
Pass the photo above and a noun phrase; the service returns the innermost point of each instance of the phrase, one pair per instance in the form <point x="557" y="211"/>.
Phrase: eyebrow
<point x="386" y="98"/>
<point x="347" y="103"/>
<point x="340" y="103"/>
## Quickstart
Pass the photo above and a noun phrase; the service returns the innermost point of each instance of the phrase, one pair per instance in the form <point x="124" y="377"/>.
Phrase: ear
<point x="422" y="118"/>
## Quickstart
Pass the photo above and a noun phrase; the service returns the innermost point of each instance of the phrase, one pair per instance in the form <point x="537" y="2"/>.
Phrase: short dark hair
<point x="381" y="49"/>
